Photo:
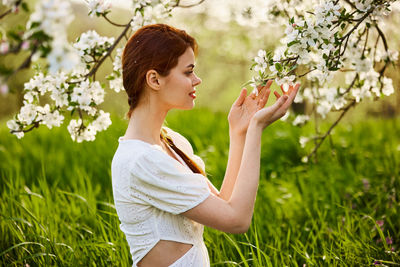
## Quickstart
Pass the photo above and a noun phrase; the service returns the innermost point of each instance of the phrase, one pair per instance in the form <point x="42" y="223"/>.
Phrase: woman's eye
<point x="189" y="72"/>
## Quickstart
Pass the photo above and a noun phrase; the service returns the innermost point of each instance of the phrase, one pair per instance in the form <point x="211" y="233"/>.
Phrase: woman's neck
<point x="145" y="124"/>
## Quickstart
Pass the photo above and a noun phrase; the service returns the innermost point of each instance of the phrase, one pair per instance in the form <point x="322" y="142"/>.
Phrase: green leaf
<point x="278" y="67"/>
<point x="293" y="68"/>
<point x="293" y="42"/>
<point x="246" y="84"/>
<point x="252" y="66"/>
<point x="25" y="7"/>
<point x="35" y="24"/>
<point x="15" y="36"/>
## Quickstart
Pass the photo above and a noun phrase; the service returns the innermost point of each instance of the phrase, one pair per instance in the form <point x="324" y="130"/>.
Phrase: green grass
<point x="56" y="205"/>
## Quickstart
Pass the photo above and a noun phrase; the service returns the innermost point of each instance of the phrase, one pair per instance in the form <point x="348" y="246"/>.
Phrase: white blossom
<point x="287" y="80"/>
<point x="363" y="5"/>
<point x="360" y="93"/>
<point x="53" y="17"/>
<point x="339" y="102"/>
<point x="90" y="42"/>
<point x="300" y="120"/>
<point x="389" y="55"/>
<point x="303" y="141"/>
<point x="27" y="113"/>
<point x="260" y="59"/>
<point x="13" y="126"/>
<point x="98" y="6"/>
<point x="62" y="56"/>
<point x="116" y="84"/>
<point x="387" y="86"/>
<point x="362" y="65"/>
<point x="102" y="122"/>
<point x="48" y="117"/>
<point x="323" y="108"/>
<point x="117" y="63"/>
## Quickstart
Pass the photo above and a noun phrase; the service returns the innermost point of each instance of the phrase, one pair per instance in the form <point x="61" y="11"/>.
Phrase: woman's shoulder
<point x="134" y="150"/>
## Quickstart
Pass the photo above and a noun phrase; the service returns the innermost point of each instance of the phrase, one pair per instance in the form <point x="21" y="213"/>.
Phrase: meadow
<point x="56" y="205"/>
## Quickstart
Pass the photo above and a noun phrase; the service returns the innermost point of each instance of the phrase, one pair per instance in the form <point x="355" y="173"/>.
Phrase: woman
<point x="162" y="196"/>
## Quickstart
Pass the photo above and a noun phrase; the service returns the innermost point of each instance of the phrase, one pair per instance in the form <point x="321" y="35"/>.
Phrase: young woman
<point x="162" y="195"/>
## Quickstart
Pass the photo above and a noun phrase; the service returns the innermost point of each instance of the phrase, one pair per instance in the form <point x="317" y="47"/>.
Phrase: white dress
<point x="151" y="190"/>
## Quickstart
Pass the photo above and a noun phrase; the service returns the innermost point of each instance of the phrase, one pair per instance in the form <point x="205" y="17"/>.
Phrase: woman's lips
<point x="193" y="94"/>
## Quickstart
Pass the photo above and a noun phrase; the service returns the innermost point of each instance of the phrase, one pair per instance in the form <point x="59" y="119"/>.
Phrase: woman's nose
<point x="196" y="81"/>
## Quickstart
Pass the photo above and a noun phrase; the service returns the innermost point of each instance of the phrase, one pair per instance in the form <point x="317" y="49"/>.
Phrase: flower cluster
<point x="332" y="36"/>
<point x="88" y="133"/>
<point x="50" y="21"/>
<point x="98" y="7"/>
<point x="90" y="46"/>
<point x="66" y="94"/>
<point x="116" y="78"/>
<point x="148" y="11"/>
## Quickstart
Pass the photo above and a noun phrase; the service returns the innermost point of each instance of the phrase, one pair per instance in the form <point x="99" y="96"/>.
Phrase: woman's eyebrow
<point x="190" y="66"/>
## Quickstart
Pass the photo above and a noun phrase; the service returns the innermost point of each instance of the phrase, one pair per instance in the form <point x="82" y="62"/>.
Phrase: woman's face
<point x="178" y="87"/>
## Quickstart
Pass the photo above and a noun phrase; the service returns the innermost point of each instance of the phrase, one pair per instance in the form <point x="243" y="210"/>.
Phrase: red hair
<point x="156" y="47"/>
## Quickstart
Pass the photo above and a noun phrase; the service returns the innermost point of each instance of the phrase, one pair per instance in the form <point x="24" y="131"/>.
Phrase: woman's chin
<point x="187" y="106"/>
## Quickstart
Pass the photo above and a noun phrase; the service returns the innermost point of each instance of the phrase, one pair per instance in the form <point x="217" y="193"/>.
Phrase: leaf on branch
<point x="293" y="68"/>
<point x="293" y="42"/>
<point x="252" y="66"/>
<point x="278" y="67"/>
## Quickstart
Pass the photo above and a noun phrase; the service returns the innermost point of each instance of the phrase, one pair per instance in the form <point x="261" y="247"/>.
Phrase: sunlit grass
<point x="56" y="202"/>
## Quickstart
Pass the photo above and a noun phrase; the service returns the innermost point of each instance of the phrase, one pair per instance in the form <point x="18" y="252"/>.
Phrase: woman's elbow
<point x="240" y="227"/>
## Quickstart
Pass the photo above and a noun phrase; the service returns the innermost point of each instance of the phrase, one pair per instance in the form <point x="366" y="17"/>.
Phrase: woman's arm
<point x="234" y="215"/>
<point x="239" y="118"/>
<point x="236" y="146"/>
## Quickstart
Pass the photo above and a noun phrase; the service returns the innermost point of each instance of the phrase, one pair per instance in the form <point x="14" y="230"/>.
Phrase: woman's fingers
<point x="239" y="101"/>
<point x="262" y="90"/>
<point x="283" y="90"/>
<point x="293" y="92"/>
<point x="277" y="94"/>
<point x="291" y="96"/>
<point x="278" y="104"/>
<point x="263" y="101"/>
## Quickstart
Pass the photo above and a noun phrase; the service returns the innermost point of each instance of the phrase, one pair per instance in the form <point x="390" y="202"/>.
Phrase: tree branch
<point x="188" y="6"/>
<point x="322" y="138"/>
<point x="96" y="67"/>
<point x="5" y="13"/>
<point x="358" y="23"/>
<point x="113" y="23"/>
<point x="10" y="10"/>
<point x="34" y="125"/>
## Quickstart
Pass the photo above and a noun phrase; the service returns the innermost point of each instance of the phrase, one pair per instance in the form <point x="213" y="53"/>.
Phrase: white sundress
<point x="151" y="190"/>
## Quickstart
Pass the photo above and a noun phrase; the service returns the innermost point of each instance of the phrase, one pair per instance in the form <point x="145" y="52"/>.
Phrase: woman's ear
<point x="152" y="79"/>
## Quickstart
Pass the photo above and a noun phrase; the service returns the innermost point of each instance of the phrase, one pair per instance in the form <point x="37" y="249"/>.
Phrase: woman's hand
<point x="245" y="107"/>
<point x="268" y="115"/>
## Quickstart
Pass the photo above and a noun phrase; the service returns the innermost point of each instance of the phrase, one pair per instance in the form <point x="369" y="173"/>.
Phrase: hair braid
<point x="191" y="164"/>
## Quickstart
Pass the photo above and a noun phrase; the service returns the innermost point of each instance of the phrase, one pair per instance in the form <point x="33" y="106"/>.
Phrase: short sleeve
<point x="157" y="181"/>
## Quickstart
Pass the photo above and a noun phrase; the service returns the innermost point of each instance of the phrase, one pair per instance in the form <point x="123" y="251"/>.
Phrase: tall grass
<point x="56" y="205"/>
